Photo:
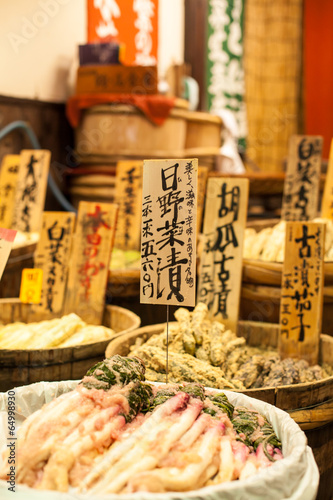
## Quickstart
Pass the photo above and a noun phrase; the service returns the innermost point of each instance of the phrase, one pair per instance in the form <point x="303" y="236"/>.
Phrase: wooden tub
<point x="309" y="404"/>
<point x="21" y="367"/>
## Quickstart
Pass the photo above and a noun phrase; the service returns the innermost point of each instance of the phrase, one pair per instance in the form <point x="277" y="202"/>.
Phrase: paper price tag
<point x="31" y="286"/>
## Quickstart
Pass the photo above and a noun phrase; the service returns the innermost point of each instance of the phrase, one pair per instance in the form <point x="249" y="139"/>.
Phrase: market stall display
<point x="187" y="438"/>
<point x="30" y="360"/>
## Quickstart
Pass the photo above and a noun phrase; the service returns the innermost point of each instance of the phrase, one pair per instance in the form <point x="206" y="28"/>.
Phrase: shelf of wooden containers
<point x="309" y="404"/>
<point x="24" y="366"/>
<point x="91" y="183"/>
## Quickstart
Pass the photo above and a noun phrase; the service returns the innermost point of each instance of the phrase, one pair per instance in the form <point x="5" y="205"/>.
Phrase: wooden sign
<point x="327" y="201"/>
<point x="221" y="258"/>
<point x="31" y="189"/>
<point x="8" y="180"/>
<point x="202" y="182"/>
<point x="133" y="23"/>
<point x="31" y="286"/>
<point x="301" y="187"/>
<point x="128" y="198"/>
<point x="52" y="256"/>
<point x="168" y="232"/>
<point x="90" y="260"/>
<point x="115" y="78"/>
<point x="7" y="237"/>
<point x="302" y="291"/>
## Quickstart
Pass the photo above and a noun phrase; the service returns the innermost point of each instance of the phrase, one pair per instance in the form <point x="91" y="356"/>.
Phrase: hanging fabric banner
<point x="133" y="23"/>
<point x="225" y="75"/>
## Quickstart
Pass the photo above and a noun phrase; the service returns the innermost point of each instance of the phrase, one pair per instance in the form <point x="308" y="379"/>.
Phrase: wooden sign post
<point x="52" y="256"/>
<point x="220" y="273"/>
<point x="301" y="187"/>
<point x="168" y="242"/>
<point x="327" y="201"/>
<point x="7" y="237"/>
<point x="89" y="265"/>
<point x="128" y="198"/>
<point x="31" y="189"/>
<point x="8" y="181"/>
<point x="302" y="291"/>
<point x="202" y="183"/>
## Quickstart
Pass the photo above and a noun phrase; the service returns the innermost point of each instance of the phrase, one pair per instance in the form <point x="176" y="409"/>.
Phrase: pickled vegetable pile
<point x="115" y="433"/>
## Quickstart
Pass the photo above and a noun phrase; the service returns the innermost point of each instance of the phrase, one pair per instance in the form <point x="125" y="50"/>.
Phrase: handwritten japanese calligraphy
<point x="327" y="201"/>
<point x="91" y="254"/>
<point x="52" y="256"/>
<point x="8" y="180"/>
<point x="168" y="232"/>
<point x="128" y="198"/>
<point x="221" y="258"/>
<point x="31" y="189"/>
<point x="301" y="189"/>
<point x="302" y="290"/>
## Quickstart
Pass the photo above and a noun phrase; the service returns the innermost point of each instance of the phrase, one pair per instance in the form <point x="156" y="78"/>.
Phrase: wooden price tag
<point x="221" y="258"/>
<point x="89" y="267"/>
<point x="168" y="241"/>
<point x="8" y="181"/>
<point x="31" y="286"/>
<point x="52" y="256"/>
<point x="302" y="291"/>
<point x="7" y="237"/>
<point x="31" y="189"/>
<point x="202" y="182"/>
<point x="128" y="198"/>
<point x="301" y="187"/>
<point x="327" y="201"/>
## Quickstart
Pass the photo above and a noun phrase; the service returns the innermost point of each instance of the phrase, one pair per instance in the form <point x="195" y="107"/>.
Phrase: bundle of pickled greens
<point x="70" y="330"/>
<point x="116" y="433"/>
<point x="201" y="350"/>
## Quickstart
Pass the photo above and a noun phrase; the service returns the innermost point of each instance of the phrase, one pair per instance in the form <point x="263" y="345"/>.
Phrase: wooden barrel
<point x="309" y="404"/>
<point x="203" y="130"/>
<point x="21" y="367"/>
<point x="124" y="283"/>
<point x="119" y="129"/>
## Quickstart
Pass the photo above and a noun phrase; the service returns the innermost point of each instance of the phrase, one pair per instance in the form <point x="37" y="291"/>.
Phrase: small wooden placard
<point x="90" y="260"/>
<point x="327" y="201"/>
<point x="7" y="237"/>
<point x="220" y="273"/>
<point x="202" y="182"/>
<point x="52" y="256"/>
<point x="31" y="189"/>
<point x="302" y="291"/>
<point x="8" y="181"/>
<point x="168" y="241"/>
<point x="117" y="78"/>
<point x="31" y="286"/>
<point x="128" y="197"/>
<point x="301" y="187"/>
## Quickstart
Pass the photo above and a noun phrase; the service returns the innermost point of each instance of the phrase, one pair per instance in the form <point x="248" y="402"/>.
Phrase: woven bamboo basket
<point x="310" y="404"/>
<point x="21" y="367"/>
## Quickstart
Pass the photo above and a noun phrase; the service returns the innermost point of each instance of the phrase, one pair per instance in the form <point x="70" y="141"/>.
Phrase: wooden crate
<point x="21" y="367"/>
<point x="310" y="404"/>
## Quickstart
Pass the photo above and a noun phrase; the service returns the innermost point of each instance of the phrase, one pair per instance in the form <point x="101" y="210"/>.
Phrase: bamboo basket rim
<point x="112" y="308"/>
<point x="158" y="328"/>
